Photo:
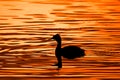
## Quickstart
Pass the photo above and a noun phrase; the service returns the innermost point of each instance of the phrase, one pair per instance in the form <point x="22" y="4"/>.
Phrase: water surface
<point x="25" y="54"/>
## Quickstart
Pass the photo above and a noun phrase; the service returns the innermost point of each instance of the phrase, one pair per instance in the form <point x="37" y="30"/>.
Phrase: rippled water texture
<point x="25" y="26"/>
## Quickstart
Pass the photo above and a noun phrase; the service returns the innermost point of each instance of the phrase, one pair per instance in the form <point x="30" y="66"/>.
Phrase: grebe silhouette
<point x="69" y="52"/>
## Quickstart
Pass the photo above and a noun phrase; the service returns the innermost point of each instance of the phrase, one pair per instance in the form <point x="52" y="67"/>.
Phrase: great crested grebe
<point x="69" y="52"/>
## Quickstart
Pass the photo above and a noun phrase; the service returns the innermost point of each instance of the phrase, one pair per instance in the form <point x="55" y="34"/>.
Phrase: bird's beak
<point x="51" y="38"/>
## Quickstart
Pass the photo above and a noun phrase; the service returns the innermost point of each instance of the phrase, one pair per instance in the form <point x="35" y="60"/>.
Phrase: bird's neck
<point x="58" y="54"/>
<point x="58" y="45"/>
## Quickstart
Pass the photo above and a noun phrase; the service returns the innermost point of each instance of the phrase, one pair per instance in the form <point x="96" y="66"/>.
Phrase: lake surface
<point x="27" y="54"/>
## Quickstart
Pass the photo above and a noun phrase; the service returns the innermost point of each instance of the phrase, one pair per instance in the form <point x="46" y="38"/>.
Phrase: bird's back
<point x="72" y="52"/>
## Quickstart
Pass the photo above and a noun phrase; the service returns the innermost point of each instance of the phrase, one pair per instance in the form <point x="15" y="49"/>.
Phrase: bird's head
<point x="56" y="37"/>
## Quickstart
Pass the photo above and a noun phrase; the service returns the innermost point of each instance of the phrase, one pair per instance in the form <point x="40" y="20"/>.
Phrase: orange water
<point x="25" y="26"/>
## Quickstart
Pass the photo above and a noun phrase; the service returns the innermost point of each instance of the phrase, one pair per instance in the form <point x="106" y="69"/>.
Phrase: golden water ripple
<point x="25" y="26"/>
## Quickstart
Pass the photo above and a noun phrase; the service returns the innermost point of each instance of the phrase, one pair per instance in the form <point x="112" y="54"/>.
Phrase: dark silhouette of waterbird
<point x="69" y="52"/>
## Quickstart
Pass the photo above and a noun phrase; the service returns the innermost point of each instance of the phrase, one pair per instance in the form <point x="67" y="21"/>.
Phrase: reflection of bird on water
<point x="69" y="52"/>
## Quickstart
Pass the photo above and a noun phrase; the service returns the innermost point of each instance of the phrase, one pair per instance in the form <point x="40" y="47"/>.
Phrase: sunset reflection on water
<point x="25" y="25"/>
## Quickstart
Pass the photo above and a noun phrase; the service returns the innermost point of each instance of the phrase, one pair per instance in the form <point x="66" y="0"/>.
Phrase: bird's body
<point x="72" y="52"/>
<point x="69" y="52"/>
